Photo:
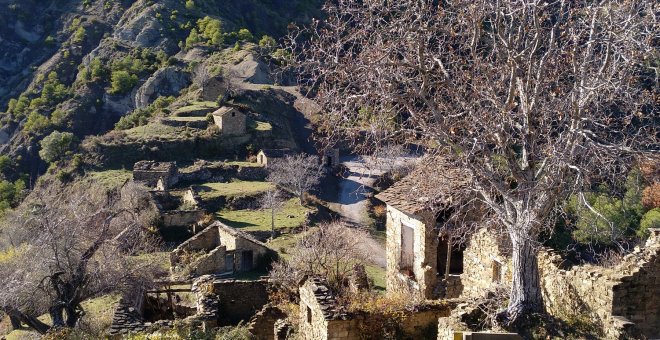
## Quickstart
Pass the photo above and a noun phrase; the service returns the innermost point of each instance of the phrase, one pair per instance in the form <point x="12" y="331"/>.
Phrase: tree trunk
<point x="15" y="322"/>
<point x="525" y="289"/>
<point x="30" y="321"/>
<point x="57" y="315"/>
<point x="72" y="316"/>
<point x="272" y="223"/>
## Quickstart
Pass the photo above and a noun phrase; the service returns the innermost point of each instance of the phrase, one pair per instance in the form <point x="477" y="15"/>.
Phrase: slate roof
<point x="434" y="183"/>
<point x="224" y="110"/>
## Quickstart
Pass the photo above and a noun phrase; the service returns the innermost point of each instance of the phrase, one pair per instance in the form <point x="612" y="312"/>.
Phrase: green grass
<point x="260" y="126"/>
<point x="110" y="178"/>
<point x="195" y="106"/>
<point x="377" y="274"/>
<point x="188" y="119"/>
<point x="154" y="130"/>
<point x="245" y="164"/>
<point x="209" y="191"/>
<point x="259" y="220"/>
<point x="98" y="314"/>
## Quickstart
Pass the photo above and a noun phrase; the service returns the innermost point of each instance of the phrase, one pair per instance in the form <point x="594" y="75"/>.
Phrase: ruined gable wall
<point x="481" y="251"/>
<point x="628" y="292"/>
<point x="425" y="250"/>
<point x="239" y="300"/>
<point x="318" y="320"/>
<point x="211" y="263"/>
<point x="204" y="240"/>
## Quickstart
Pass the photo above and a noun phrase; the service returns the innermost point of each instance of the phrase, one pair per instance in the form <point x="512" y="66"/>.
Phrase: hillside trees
<point x="66" y="245"/>
<point x="56" y="145"/>
<point x="536" y="100"/>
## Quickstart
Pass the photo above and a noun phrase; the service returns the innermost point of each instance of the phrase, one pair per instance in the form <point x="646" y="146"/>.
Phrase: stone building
<point x="220" y="249"/>
<point x="177" y="208"/>
<point x="163" y="175"/>
<point x="418" y="253"/>
<point x="230" y="120"/>
<point x="266" y="156"/>
<point x="322" y="317"/>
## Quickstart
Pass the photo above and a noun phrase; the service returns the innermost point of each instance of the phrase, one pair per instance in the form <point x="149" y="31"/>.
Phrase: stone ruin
<point x="220" y="249"/>
<point x="266" y="156"/>
<point x="321" y="317"/>
<point x="156" y="174"/>
<point x="178" y="208"/>
<point x="208" y="302"/>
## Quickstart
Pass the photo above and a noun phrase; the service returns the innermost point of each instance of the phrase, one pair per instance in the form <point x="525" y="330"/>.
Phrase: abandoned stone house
<point x="230" y="120"/>
<point x="417" y="250"/>
<point x="266" y="156"/>
<point x="220" y="249"/>
<point x="330" y="158"/>
<point x="624" y="300"/>
<point x="159" y="175"/>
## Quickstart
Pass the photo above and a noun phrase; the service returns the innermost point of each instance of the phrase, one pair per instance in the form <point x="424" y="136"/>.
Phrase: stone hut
<point x="222" y="250"/>
<point x="320" y="319"/>
<point x="230" y="120"/>
<point x="266" y="156"/>
<point x="156" y="174"/>
<point x="418" y="253"/>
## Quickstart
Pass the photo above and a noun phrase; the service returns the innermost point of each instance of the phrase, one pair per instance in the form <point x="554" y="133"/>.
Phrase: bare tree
<point x="272" y="200"/>
<point x="329" y="251"/>
<point x="298" y="173"/>
<point x="535" y="99"/>
<point x="65" y="250"/>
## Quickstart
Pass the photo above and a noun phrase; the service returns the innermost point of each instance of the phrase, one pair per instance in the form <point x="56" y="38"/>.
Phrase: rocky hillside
<point x="93" y="66"/>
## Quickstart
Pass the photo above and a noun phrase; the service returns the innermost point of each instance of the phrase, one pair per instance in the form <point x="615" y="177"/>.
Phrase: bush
<point x="122" y="82"/>
<point x="268" y="43"/>
<point x="190" y="5"/>
<point x="245" y="35"/>
<point x="650" y="220"/>
<point x="55" y="146"/>
<point x="79" y="35"/>
<point x="36" y="123"/>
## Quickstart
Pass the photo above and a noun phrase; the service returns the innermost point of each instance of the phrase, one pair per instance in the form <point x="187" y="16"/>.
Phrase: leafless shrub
<point x="65" y="249"/>
<point x="298" y="173"/>
<point x="329" y="251"/>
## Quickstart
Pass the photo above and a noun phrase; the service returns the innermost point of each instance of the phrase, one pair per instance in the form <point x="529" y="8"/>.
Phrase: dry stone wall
<point x="625" y="298"/>
<point x="485" y="266"/>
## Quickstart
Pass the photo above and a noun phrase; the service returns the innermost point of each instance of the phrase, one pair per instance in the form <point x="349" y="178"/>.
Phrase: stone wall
<point x="204" y="240"/>
<point x="625" y="298"/>
<point x="239" y="300"/>
<point x="482" y="253"/>
<point x="181" y="218"/>
<point x="262" y="324"/>
<point x="319" y="317"/>
<point x="149" y="172"/>
<point x="425" y="247"/>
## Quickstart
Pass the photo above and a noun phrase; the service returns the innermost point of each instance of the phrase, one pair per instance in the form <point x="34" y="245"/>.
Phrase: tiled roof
<point x="434" y="183"/>
<point x="223" y="110"/>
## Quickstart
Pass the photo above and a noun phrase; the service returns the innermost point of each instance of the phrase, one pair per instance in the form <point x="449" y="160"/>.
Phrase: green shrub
<point x="36" y="123"/>
<point x="79" y="35"/>
<point x="122" y="82"/>
<point x="56" y="145"/>
<point x="192" y="39"/>
<point x="245" y="35"/>
<point x="268" y="43"/>
<point x="650" y="220"/>
<point x="190" y="5"/>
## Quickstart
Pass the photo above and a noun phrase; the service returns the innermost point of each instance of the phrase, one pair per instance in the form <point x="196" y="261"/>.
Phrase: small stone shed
<point x="321" y="317"/>
<point x="153" y="174"/>
<point x="220" y="249"/>
<point x="266" y="156"/>
<point x="178" y="208"/>
<point x="418" y="254"/>
<point x="230" y="120"/>
<point x="330" y="158"/>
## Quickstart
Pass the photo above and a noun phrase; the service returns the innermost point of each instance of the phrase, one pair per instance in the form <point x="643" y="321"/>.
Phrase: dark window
<point x="497" y="272"/>
<point x="309" y="315"/>
<point x="455" y="260"/>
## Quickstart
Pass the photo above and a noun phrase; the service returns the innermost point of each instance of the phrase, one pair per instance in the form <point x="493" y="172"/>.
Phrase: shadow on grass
<point x="236" y="224"/>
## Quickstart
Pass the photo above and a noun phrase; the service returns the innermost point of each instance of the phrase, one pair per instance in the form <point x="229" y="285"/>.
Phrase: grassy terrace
<point x="188" y="119"/>
<point x="156" y="130"/>
<point x="110" y="178"/>
<point x="260" y="126"/>
<point x="236" y="188"/>
<point x="259" y="220"/>
<point x="196" y="106"/>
